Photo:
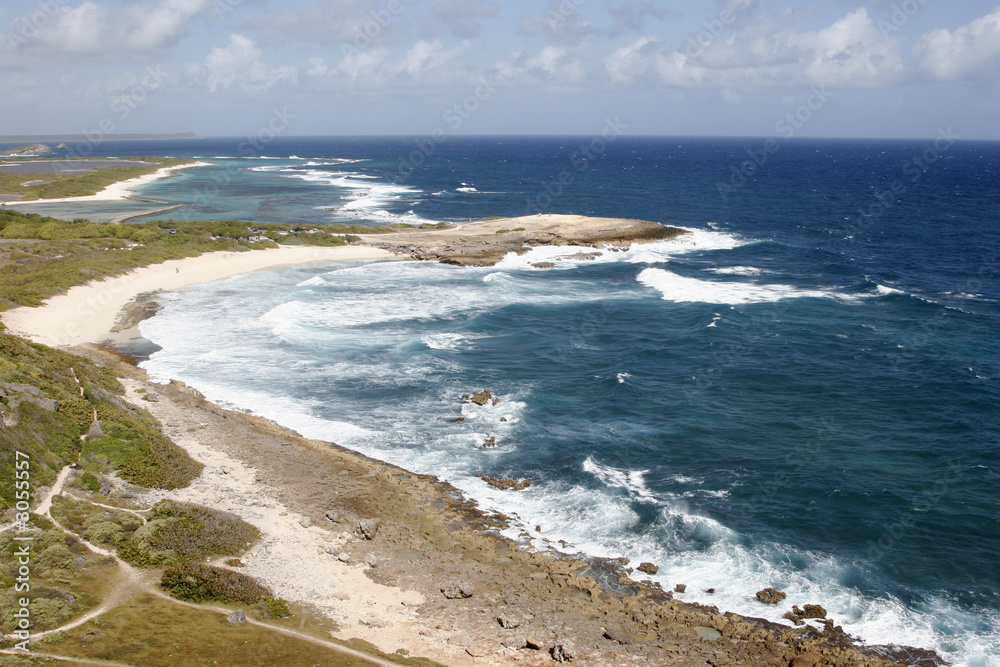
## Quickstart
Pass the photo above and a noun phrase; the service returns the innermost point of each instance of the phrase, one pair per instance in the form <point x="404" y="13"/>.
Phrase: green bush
<point x="90" y="481"/>
<point x="105" y="533"/>
<point x="178" y="532"/>
<point x="275" y="608"/>
<point x="197" y="582"/>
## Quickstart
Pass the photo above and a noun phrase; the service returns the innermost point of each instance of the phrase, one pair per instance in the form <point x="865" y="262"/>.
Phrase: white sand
<point x="86" y="313"/>
<point x="115" y="191"/>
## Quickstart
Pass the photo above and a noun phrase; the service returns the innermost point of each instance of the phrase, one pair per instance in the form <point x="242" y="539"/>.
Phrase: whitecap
<point x="681" y="289"/>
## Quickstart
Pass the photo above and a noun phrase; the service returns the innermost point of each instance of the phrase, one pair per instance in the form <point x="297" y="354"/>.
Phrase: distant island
<point x="29" y="150"/>
<point x="49" y="138"/>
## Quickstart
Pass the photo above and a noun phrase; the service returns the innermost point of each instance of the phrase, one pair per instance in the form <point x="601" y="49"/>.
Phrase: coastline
<point x="289" y="486"/>
<point x="87" y="313"/>
<point x="524" y="607"/>
<point x="116" y="191"/>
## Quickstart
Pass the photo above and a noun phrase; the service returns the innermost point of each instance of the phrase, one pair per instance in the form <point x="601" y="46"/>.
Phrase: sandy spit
<point x="86" y="313"/>
<point x="116" y="191"/>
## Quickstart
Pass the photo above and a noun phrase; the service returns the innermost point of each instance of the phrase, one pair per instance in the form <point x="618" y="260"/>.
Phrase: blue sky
<point x="827" y="68"/>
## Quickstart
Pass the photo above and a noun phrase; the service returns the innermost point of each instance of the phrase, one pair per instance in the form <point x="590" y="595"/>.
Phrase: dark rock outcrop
<point x="506" y="483"/>
<point x="649" y="568"/>
<point x="770" y="596"/>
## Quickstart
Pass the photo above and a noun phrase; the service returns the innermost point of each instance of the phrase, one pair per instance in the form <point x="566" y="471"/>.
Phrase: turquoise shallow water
<point x="802" y="394"/>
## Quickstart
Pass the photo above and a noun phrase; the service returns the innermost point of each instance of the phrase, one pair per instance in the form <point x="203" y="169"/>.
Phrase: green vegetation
<point x="52" y="186"/>
<point x="67" y="580"/>
<point x="49" y="399"/>
<point x="99" y="525"/>
<point x="176" y="533"/>
<point x="42" y="256"/>
<point x="154" y="632"/>
<point x="197" y="582"/>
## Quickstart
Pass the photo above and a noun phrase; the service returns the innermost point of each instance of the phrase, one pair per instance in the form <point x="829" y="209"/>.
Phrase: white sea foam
<point x="681" y="289"/>
<point x="882" y="290"/>
<point x="633" y="481"/>
<point x="738" y="271"/>
<point x="622" y="377"/>
<point x="468" y="189"/>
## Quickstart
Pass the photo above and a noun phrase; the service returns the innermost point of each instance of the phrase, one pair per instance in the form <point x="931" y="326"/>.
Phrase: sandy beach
<point x="116" y="191"/>
<point x="87" y="313"/>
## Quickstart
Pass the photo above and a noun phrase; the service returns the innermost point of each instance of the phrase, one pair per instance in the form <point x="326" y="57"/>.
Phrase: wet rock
<point x="710" y="591"/>
<point x="508" y="621"/>
<point x="563" y="651"/>
<point x="770" y="596"/>
<point x="793" y="617"/>
<point x="458" y="420"/>
<point x="648" y="568"/>
<point x="367" y="528"/>
<point x="680" y="588"/>
<point x="812" y="611"/>
<point x="238" y="617"/>
<point x="490" y="442"/>
<point x="542" y="265"/>
<point x="483" y="397"/>
<point x="505" y="483"/>
<point x="458" y="589"/>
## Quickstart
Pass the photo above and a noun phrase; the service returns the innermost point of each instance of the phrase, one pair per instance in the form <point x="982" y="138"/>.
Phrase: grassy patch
<point x="41" y="391"/>
<point x="67" y="580"/>
<point x="80" y="184"/>
<point x="151" y="631"/>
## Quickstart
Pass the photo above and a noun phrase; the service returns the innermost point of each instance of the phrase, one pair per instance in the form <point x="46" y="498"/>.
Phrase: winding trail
<point x="132" y="581"/>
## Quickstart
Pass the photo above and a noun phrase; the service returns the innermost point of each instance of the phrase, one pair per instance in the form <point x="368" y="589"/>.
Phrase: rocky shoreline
<point x="486" y="242"/>
<point x="464" y="595"/>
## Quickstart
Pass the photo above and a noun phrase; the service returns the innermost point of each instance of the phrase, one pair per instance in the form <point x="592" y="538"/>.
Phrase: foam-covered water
<point x="793" y="395"/>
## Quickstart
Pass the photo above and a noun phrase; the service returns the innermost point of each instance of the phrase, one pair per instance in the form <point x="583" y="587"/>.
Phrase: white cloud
<point x="425" y="56"/>
<point x="851" y="52"/>
<point x="239" y="63"/>
<point x="628" y="62"/>
<point x="92" y="29"/>
<point x="970" y="52"/>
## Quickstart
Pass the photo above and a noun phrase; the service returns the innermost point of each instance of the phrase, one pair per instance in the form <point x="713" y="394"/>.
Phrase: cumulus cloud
<point x="851" y="52"/>
<point x="238" y="65"/>
<point x="969" y="52"/>
<point x="95" y="30"/>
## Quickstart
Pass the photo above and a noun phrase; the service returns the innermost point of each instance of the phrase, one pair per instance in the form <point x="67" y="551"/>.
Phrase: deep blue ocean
<point x="803" y="393"/>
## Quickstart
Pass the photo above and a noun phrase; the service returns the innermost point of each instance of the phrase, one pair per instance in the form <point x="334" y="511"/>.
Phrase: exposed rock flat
<point x="486" y="242"/>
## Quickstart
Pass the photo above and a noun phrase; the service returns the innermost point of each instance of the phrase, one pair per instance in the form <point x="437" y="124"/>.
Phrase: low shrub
<point x="197" y="582"/>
